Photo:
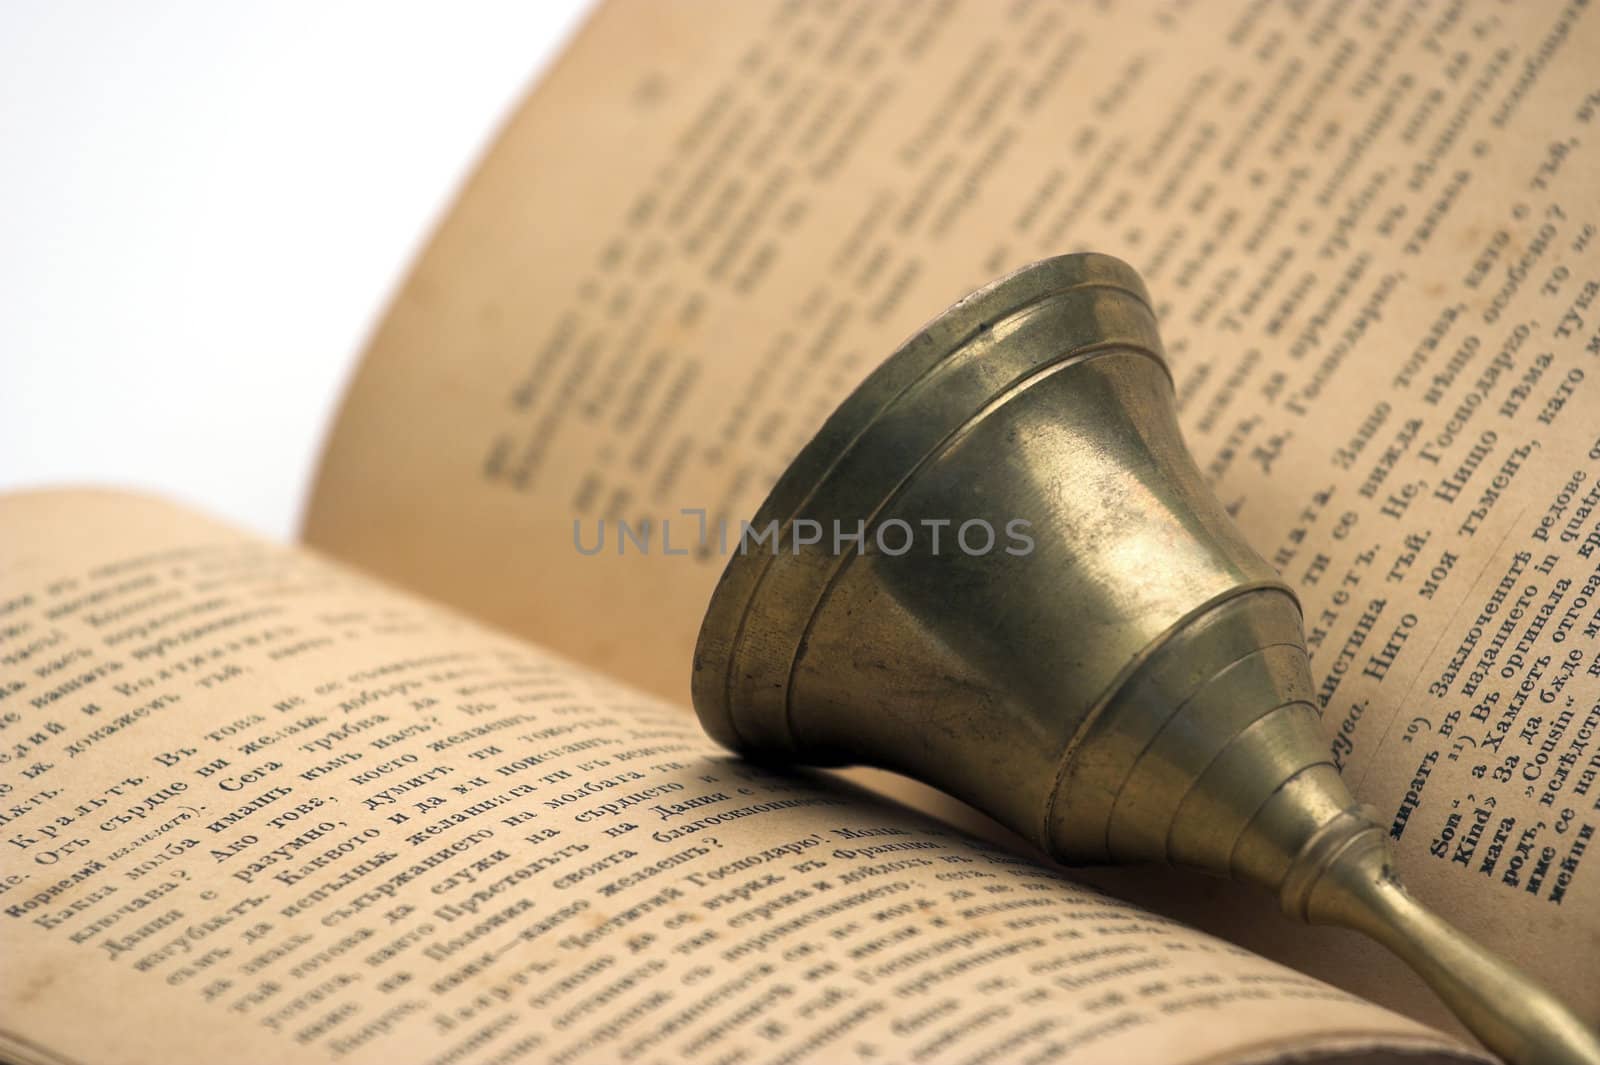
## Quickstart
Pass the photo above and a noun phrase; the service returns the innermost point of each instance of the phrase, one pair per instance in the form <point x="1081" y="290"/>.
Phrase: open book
<point x="427" y="788"/>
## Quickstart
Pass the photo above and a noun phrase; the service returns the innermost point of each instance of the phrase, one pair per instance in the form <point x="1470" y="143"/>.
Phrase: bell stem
<point x="1509" y="1013"/>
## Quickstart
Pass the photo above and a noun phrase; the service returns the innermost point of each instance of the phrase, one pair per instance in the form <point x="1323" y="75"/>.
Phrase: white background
<point x="203" y="210"/>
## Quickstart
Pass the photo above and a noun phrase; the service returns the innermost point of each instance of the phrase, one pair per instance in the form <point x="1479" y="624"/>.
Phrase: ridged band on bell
<point x="1133" y="688"/>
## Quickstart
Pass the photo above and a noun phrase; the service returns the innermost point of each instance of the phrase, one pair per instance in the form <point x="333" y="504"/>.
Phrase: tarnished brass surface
<point x="1133" y="689"/>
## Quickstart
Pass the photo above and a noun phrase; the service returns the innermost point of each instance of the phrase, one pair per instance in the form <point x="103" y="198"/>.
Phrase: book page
<point x="1370" y="229"/>
<point x="254" y="807"/>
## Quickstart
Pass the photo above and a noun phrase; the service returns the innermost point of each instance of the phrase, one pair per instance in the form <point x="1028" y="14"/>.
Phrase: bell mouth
<point x="946" y="375"/>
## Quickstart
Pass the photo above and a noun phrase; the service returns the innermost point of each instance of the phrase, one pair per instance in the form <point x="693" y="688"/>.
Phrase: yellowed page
<point x="1371" y="230"/>
<point x="258" y="808"/>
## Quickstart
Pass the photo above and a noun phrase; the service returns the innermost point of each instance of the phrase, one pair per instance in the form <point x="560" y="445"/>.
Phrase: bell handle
<point x="1508" y="1012"/>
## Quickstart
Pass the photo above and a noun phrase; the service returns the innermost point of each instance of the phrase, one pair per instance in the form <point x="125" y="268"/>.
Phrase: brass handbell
<point x="998" y="570"/>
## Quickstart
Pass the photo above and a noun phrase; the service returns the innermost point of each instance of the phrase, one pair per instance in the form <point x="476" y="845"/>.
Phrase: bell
<point x="998" y="570"/>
